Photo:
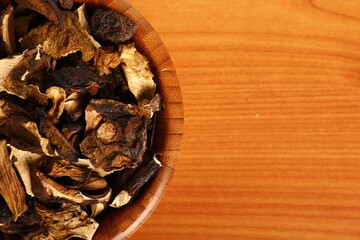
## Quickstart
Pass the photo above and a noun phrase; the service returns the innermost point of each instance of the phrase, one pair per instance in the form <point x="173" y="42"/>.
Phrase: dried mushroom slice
<point x="60" y="42"/>
<point x="111" y="26"/>
<point x="48" y="8"/>
<point x="65" y="4"/>
<point x="76" y="80"/>
<point x="58" y="98"/>
<point x="115" y="135"/>
<point x="83" y="19"/>
<point x="18" y="125"/>
<point x="136" y="182"/>
<point x="7" y="37"/>
<point x="45" y="188"/>
<point x="62" y="146"/>
<point x="75" y="104"/>
<point x="71" y="131"/>
<point x="137" y="71"/>
<point x="69" y="221"/>
<point x="10" y="186"/>
<point x="16" y="71"/>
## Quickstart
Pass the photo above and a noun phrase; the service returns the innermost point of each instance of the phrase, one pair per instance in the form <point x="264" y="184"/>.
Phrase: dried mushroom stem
<point x="10" y="186"/>
<point x="136" y="182"/>
<point x="7" y="37"/>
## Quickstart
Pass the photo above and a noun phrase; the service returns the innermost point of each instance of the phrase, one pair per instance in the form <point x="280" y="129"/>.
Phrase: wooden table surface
<point x="271" y="92"/>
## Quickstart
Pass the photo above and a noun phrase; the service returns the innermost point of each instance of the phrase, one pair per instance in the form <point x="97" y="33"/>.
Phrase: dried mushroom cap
<point x="59" y="168"/>
<point x="7" y="37"/>
<point x="10" y="186"/>
<point x="107" y="57"/>
<point x="58" y="97"/>
<point x="111" y="26"/>
<point x="15" y="72"/>
<point x="72" y="79"/>
<point x="20" y="128"/>
<point x="62" y="146"/>
<point x="48" y="8"/>
<point x="115" y="135"/>
<point x="70" y="221"/>
<point x="137" y="71"/>
<point x="83" y="19"/>
<point x="60" y="42"/>
<point x="136" y="182"/>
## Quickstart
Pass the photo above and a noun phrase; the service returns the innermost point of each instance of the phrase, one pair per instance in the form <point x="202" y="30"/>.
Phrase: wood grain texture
<point x="271" y="93"/>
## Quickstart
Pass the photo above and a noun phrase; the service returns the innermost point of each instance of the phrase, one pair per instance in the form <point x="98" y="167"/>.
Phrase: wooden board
<point x="271" y="93"/>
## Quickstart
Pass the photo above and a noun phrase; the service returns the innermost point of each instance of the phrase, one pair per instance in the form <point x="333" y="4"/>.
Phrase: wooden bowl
<point x="121" y="223"/>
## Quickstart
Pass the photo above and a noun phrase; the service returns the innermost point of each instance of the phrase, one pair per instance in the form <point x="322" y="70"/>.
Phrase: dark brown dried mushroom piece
<point x="58" y="97"/>
<point x="65" y="4"/>
<point x="60" y="42"/>
<point x="61" y="145"/>
<point x="48" y="8"/>
<point x="71" y="132"/>
<point x="111" y="26"/>
<point x="69" y="221"/>
<point x="22" y="24"/>
<point x="17" y="70"/>
<point x="20" y="128"/>
<point x="7" y="37"/>
<point x="27" y="222"/>
<point x="10" y="186"/>
<point x="115" y="135"/>
<point x="73" y="79"/>
<point x="137" y="71"/>
<point x="136" y="182"/>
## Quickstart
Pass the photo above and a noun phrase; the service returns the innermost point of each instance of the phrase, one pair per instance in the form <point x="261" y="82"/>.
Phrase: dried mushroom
<point x="20" y="128"/>
<point x="137" y="71"/>
<point x="48" y="8"/>
<point x="111" y="26"/>
<point x="60" y="42"/>
<point x="10" y="187"/>
<point x="69" y="221"/>
<point x="72" y="79"/>
<point x="7" y="37"/>
<point x="115" y="135"/>
<point x="75" y="119"/>
<point x="136" y="182"/>
<point x="17" y="70"/>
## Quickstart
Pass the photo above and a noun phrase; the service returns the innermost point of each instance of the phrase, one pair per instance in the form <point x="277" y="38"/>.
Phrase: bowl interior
<point x="121" y="223"/>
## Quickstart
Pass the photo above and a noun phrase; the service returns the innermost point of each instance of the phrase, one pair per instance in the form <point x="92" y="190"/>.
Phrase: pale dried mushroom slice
<point x="20" y="128"/>
<point x="16" y="71"/>
<point x="75" y="104"/>
<point x="107" y="57"/>
<point x="115" y="137"/>
<point x="7" y="37"/>
<point x="10" y="186"/>
<point x="58" y="98"/>
<point x="48" y="8"/>
<point x="60" y="42"/>
<point x="25" y="162"/>
<point x="111" y="26"/>
<point x="69" y="221"/>
<point x="138" y="74"/>
<point x="83" y="19"/>
<point x="136" y="182"/>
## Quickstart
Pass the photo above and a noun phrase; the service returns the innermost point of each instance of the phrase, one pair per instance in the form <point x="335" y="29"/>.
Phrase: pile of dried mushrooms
<point x="76" y="107"/>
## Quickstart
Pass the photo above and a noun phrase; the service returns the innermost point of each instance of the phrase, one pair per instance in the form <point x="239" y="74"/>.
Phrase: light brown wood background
<point x="271" y="92"/>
